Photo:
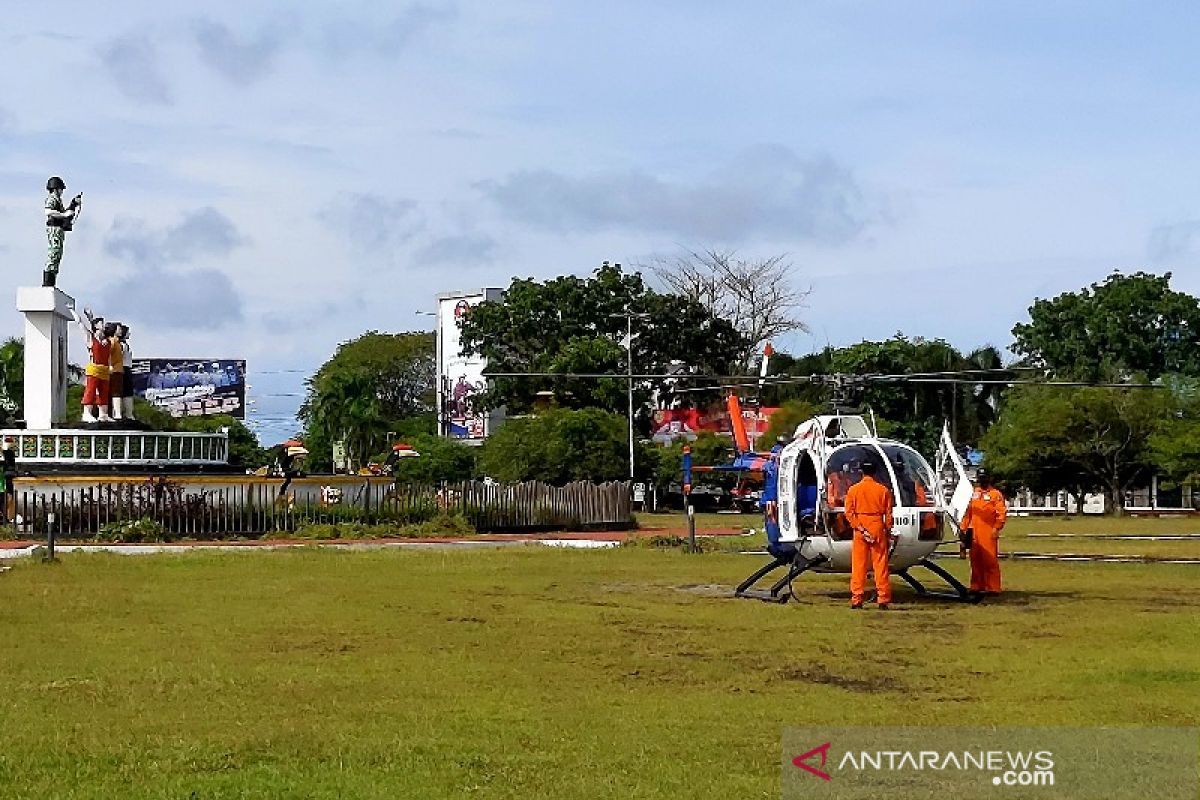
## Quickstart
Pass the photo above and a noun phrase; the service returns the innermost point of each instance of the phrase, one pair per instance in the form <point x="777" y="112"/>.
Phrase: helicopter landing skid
<point x="961" y="593"/>
<point x="796" y="564"/>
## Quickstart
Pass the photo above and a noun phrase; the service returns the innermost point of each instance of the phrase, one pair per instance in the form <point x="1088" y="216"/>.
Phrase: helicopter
<point x="813" y="473"/>
<point x="747" y="464"/>
<point x="824" y="458"/>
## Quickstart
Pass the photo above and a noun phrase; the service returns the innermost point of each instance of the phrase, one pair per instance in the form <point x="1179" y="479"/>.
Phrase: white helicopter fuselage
<point x="822" y="462"/>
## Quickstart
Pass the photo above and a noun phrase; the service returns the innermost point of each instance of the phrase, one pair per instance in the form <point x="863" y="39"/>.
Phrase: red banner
<point x="672" y="423"/>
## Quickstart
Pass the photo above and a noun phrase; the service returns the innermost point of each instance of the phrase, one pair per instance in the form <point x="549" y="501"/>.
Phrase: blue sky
<point x="266" y="180"/>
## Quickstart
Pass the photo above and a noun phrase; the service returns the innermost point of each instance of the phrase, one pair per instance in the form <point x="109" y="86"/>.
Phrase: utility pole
<point x="629" y="365"/>
<point x="629" y="315"/>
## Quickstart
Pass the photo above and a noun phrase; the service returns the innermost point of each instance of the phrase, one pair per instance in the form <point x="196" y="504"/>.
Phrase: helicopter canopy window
<point x="912" y="476"/>
<point x="843" y="470"/>
<point x="847" y="428"/>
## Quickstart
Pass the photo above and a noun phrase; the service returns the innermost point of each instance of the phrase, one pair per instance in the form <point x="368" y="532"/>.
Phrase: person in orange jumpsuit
<point x="985" y="518"/>
<point x="869" y="511"/>
<point x="838" y="482"/>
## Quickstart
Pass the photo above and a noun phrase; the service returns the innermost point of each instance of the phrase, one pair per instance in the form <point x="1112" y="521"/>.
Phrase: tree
<point x="369" y="386"/>
<point x="1123" y="325"/>
<point x="440" y="460"/>
<point x="579" y="324"/>
<point x="789" y="416"/>
<point x="708" y="449"/>
<point x="1030" y="445"/>
<point x="558" y="446"/>
<point x="757" y="295"/>
<point x="917" y="411"/>
<point x="1176" y="444"/>
<point x="1078" y="439"/>
<point x="12" y="378"/>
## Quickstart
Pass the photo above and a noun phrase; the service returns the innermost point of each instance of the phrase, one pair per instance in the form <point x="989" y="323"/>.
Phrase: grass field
<point x="535" y="673"/>
<point x="1081" y="535"/>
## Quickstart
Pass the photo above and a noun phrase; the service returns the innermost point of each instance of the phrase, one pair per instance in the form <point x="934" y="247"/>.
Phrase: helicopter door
<point x="952" y="477"/>
<point x="786" y="483"/>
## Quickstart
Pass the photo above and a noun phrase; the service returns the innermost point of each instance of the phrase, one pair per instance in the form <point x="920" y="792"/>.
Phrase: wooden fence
<point x="116" y="510"/>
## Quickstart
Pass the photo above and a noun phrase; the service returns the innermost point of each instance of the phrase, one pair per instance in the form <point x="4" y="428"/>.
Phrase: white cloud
<point x="1172" y="242"/>
<point x="133" y="64"/>
<point x="769" y="191"/>
<point x="373" y="223"/>
<point x="240" y="61"/>
<point x="157" y="291"/>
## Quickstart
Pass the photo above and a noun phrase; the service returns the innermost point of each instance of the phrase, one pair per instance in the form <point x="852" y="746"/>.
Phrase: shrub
<point x="446" y="526"/>
<point x="142" y="529"/>
<point x="669" y="541"/>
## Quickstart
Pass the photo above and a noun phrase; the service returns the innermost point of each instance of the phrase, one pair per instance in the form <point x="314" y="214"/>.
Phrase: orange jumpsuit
<point x="929" y="520"/>
<point x="838" y="483"/>
<point x="869" y="507"/>
<point x="985" y="516"/>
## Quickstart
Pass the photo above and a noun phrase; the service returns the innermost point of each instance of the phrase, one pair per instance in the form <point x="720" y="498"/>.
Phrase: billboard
<point x="192" y="387"/>
<point x="672" y="423"/>
<point x="460" y="376"/>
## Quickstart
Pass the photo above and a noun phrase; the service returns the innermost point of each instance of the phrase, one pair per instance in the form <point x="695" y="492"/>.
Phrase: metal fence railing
<point x="163" y="509"/>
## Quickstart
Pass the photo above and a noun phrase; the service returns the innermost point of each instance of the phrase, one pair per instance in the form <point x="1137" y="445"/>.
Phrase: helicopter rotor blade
<point x="1082" y="384"/>
<point x="844" y="380"/>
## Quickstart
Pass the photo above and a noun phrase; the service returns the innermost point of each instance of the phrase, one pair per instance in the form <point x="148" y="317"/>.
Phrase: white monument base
<point x="47" y="314"/>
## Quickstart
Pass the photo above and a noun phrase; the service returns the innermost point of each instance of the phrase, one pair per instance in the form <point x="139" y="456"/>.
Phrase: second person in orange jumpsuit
<point x="985" y="517"/>
<point x="869" y="512"/>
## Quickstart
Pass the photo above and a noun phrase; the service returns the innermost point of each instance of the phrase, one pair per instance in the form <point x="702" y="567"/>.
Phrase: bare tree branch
<point x="757" y="296"/>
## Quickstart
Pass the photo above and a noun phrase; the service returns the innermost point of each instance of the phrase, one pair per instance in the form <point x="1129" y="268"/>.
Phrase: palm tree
<point x="12" y="377"/>
<point x="347" y="408"/>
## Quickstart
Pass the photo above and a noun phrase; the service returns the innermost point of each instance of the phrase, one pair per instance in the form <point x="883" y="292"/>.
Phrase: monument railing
<point x="116" y="447"/>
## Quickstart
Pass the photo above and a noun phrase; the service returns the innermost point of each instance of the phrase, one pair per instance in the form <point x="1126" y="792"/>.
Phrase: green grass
<point x="704" y="520"/>
<point x="535" y="673"/>
<point x="1064" y="535"/>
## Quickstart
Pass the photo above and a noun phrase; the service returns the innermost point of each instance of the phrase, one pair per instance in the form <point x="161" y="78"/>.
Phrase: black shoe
<point x="855" y="606"/>
<point x="884" y="606"/>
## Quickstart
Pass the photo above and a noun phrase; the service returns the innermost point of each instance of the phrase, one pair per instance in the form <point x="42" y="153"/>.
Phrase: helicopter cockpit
<point x="906" y="474"/>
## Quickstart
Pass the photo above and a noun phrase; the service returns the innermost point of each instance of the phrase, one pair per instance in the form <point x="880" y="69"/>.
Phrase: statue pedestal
<point x="47" y="317"/>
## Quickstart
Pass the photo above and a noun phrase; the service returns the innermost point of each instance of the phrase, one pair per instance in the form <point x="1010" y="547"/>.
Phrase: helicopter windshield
<point x="912" y="476"/>
<point x="843" y="470"/>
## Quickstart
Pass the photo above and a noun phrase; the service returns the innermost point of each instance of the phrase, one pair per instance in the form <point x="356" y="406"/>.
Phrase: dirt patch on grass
<point x="632" y="588"/>
<point x="1040" y="634"/>
<point x="707" y="589"/>
<point x="326" y="646"/>
<point x="815" y="673"/>
<point x="653" y="630"/>
<point x="1171" y="601"/>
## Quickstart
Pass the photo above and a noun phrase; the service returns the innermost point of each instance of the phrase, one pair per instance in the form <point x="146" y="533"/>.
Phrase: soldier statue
<point x="59" y="219"/>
